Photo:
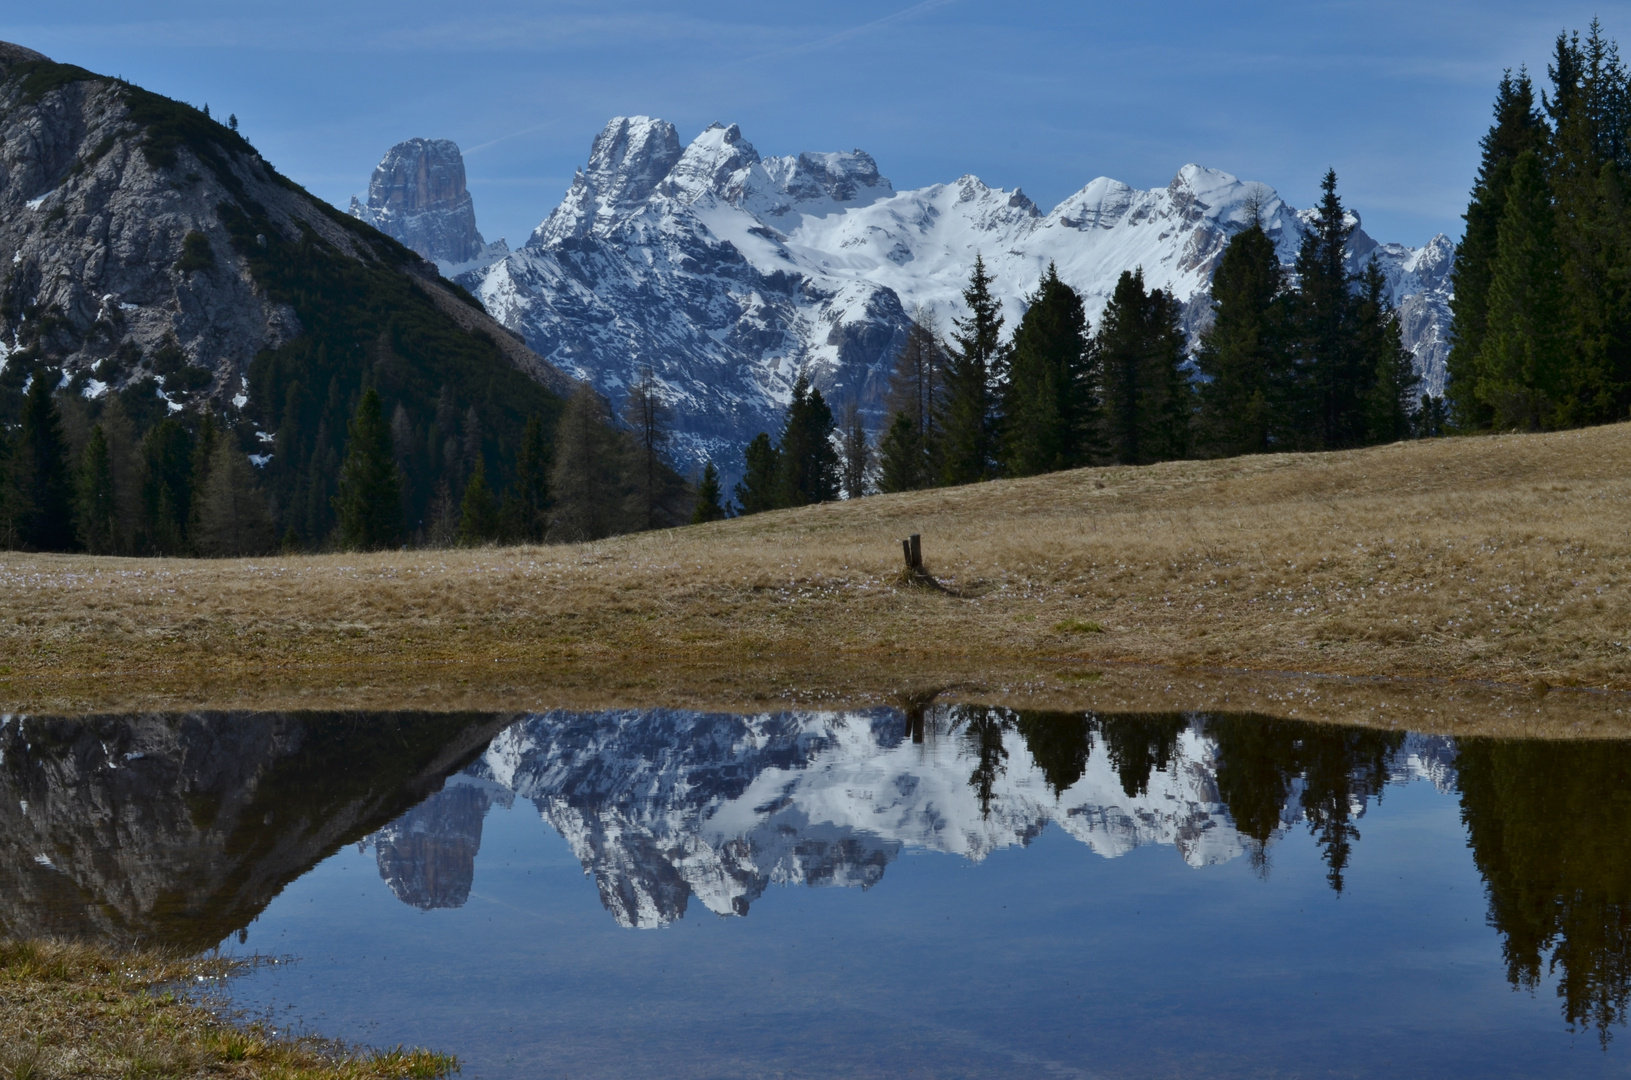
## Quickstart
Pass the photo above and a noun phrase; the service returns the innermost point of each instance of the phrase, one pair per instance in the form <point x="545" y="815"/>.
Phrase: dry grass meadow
<point x="1465" y="584"/>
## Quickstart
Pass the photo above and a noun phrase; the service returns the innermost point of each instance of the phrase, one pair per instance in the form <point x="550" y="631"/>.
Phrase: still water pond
<point x="957" y="892"/>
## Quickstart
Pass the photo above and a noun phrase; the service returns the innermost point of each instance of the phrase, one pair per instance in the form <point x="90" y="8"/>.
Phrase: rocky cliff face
<point x="417" y="195"/>
<point x="727" y="273"/>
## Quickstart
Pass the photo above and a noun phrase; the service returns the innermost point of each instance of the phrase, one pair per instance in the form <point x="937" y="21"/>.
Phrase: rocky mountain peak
<point x="628" y="159"/>
<point x="417" y="195"/>
<point x="718" y="161"/>
<point x="11" y="53"/>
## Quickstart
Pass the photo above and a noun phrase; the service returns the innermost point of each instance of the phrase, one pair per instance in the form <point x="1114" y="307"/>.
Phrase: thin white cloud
<point x="512" y="135"/>
<point x="830" y="40"/>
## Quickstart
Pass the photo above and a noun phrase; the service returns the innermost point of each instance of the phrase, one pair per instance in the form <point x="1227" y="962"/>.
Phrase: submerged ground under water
<point x="952" y="892"/>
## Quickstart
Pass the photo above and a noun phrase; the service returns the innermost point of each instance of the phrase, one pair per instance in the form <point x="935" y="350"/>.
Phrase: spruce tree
<point x="231" y="516"/>
<point x="974" y="368"/>
<point x="1333" y="382"/>
<point x="708" y="506"/>
<point x="1147" y="400"/>
<point x="1242" y="355"/>
<point x="10" y="497"/>
<point x="809" y="464"/>
<point x="526" y="506"/>
<point x="1518" y="127"/>
<point x="902" y="464"/>
<point x="760" y="487"/>
<point x="369" y="502"/>
<point x="1393" y="391"/>
<point x="167" y="487"/>
<point x="44" y="484"/>
<point x="478" y="511"/>
<point x="98" y="508"/>
<point x="1521" y="364"/>
<point x="1048" y="403"/>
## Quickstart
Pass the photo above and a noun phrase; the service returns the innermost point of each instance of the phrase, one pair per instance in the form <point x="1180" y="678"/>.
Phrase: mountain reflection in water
<point x="181" y="829"/>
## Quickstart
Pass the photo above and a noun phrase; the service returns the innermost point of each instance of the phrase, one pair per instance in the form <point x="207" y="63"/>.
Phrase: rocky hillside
<point x="417" y="196"/>
<point x="727" y="273"/>
<point x="150" y="256"/>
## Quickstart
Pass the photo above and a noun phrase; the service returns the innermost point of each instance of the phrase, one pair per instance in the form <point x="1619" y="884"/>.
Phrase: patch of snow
<point x="94" y="389"/>
<point x="265" y="437"/>
<point x="259" y="460"/>
<point x="129" y="307"/>
<point x="35" y="204"/>
<point x="240" y="400"/>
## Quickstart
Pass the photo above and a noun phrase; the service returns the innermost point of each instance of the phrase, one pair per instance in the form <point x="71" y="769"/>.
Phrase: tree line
<point x="1542" y="330"/>
<point x="89" y="475"/>
<point x="1310" y="359"/>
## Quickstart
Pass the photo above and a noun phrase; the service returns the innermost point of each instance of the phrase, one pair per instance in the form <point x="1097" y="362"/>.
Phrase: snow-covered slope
<point x="727" y="273"/>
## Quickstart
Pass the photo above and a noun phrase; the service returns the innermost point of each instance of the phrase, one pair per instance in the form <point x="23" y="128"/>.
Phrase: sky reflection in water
<point x="1016" y="894"/>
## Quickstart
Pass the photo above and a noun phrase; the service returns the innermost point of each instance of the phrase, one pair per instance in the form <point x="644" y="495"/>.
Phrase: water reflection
<point x="180" y="829"/>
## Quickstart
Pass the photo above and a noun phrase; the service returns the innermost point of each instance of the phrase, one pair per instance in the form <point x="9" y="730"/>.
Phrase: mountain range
<point x="725" y="273"/>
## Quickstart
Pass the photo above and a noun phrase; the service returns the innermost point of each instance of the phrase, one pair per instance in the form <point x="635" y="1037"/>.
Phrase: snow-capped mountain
<point x="726" y="273"/>
<point x="664" y="806"/>
<point x="417" y="195"/>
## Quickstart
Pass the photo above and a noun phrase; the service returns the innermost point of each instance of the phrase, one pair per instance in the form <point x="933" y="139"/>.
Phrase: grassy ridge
<point x="1503" y="559"/>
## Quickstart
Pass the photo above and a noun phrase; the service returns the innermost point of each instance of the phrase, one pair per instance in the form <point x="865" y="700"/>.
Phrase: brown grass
<point x="1502" y="560"/>
<point x="86" y="1011"/>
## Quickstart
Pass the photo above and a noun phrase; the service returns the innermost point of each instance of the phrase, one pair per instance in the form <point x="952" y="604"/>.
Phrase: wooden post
<point x="917" y="551"/>
<point x="906" y="551"/>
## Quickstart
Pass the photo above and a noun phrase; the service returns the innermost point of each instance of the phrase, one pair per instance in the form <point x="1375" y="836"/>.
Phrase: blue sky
<point x="1038" y="94"/>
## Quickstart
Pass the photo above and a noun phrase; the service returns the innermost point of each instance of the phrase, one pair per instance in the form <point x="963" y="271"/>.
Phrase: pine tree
<point x="1520" y="366"/>
<point x="167" y="487"/>
<point x="855" y="458"/>
<point x="44" y="486"/>
<point x="10" y="497"/>
<point x="902" y="464"/>
<point x="526" y="506"/>
<point x="1518" y="126"/>
<point x="369" y="502"/>
<point x="198" y="472"/>
<point x="1048" y="405"/>
<point x="1147" y="400"/>
<point x="98" y="508"/>
<point x="1334" y="380"/>
<point x="974" y="368"/>
<point x="478" y="511"/>
<point x="232" y="518"/>
<point x="1393" y="392"/>
<point x="1242" y="355"/>
<point x="586" y="478"/>
<point x="760" y="487"/>
<point x="708" y="507"/>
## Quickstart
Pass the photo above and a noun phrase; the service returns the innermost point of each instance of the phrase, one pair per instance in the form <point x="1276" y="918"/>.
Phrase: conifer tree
<point x="974" y="368"/>
<point x="369" y="502"/>
<point x="526" y="506"/>
<point x="1518" y="126"/>
<point x="478" y="510"/>
<point x="44" y="486"/>
<point x="809" y="464"/>
<point x="97" y="506"/>
<point x="167" y="487"/>
<point x="708" y="506"/>
<point x="1333" y="378"/>
<point x="1048" y="405"/>
<point x="231" y="515"/>
<point x="1393" y="394"/>
<point x="760" y="487"/>
<point x="902" y="463"/>
<point x="1242" y="354"/>
<point x="1147" y="400"/>
<point x="1520" y="366"/>
<point x="586" y="478"/>
<point x="917" y="389"/>
<point x="855" y="458"/>
<point x="656" y="485"/>
<point x="10" y="523"/>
